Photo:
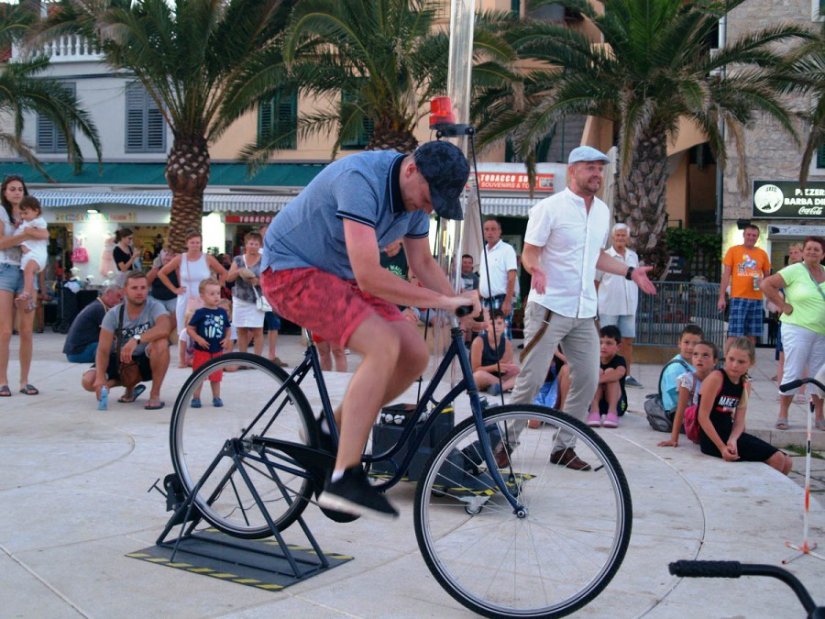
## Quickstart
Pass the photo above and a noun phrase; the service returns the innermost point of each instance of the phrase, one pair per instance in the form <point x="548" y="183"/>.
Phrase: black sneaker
<point x="353" y="494"/>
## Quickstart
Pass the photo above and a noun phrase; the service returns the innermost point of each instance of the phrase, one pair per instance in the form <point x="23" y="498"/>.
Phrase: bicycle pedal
<point x="174" y="492"/>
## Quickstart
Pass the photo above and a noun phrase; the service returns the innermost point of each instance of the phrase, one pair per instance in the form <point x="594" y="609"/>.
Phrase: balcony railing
<point x="66" y="48"/>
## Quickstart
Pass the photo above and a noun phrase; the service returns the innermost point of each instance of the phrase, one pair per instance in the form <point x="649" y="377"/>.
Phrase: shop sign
<point x="514" y="181"/>
<point x="70" y="217"/>
<point x="248" y="219"/>
<point x="788" y="199"/>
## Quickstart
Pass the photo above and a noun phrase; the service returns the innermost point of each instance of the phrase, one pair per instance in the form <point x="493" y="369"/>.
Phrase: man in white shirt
<point x="562" y="250"/>
<point x="619" y="298"/>
<point x="499" y="291"/>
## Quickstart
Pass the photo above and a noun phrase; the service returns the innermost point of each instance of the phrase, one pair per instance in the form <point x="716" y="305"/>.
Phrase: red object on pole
<point x="441" y="112"/>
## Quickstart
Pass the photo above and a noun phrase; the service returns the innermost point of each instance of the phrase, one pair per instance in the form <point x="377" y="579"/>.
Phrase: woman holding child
<point x="12" y="191"/>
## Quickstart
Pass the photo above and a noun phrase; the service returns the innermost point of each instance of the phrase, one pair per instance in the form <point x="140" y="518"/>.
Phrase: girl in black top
<point x="722" y="406"/>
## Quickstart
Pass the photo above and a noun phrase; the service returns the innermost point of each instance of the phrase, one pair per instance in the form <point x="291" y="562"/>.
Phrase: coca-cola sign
<point x="788" y="200"/>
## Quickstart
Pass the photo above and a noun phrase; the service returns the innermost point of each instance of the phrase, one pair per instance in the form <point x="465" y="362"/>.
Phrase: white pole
<point x="459" y="73"/>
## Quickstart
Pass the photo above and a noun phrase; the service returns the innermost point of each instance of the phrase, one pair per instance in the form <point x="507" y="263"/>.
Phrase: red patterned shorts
<point x="199" y="357"/>
<point x="331" y="307"/>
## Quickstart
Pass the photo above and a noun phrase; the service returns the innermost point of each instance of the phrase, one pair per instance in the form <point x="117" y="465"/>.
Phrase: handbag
<point x="260" y="301"/>
<point x="128" y="371"/>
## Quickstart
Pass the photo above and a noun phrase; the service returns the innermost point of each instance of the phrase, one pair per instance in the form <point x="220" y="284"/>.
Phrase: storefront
<point x="787" y="212"/>
<point x="82" y="225"/>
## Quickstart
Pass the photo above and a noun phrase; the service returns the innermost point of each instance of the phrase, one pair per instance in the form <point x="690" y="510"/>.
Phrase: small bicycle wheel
<point x="550" y="562"/>
<point x="230" y="436"/>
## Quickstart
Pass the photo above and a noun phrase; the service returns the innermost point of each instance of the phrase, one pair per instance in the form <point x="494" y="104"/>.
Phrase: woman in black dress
<point x="723" y="402"/>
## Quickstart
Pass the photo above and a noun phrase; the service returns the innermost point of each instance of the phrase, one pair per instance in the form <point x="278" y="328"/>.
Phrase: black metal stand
<point x="291" y="563"/>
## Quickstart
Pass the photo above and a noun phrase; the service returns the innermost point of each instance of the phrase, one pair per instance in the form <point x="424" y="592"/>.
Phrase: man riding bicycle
<point x="322" y="271"/>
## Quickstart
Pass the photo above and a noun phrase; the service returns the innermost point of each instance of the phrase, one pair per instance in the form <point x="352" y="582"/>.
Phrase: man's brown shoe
<point x="567" y="458"/>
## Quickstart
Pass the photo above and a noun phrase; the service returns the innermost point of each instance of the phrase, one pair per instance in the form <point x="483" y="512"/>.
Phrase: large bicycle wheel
<point x="552" y="561"/>
<point x="233" y="438"/>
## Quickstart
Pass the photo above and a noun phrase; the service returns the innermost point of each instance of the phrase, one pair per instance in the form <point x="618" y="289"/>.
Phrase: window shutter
<point x="278" y="116"/>
<point x="145" y="126"/>
<point x="49" y="138"/>
<point x="367" y="128"/>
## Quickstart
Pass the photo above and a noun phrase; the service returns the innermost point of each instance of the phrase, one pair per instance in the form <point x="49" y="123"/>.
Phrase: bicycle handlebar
<point x="735" y="569"/>
<point x="706" y="569"/>
<point x="464" y="310"/>
<point x="799" y="382"/>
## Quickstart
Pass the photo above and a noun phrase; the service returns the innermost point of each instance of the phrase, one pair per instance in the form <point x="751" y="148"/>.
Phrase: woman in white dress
<point x="245" y="271"/>
<point x="192" y="267"/>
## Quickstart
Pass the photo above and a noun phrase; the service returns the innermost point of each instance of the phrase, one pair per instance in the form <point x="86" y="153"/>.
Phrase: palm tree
<point x="808" y="64"/>
<point x="24" y="91"/>
<point x="381" y="61"/>
<point x="204" y="62"/>
<point x="653" y="68"/>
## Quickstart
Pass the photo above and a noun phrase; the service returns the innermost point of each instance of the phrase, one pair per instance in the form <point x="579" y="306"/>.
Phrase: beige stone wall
<point x="769" y="152"/>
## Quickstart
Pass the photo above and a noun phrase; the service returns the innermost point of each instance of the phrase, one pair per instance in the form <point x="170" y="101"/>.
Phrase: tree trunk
<point x="187" y="173"/>
<point x="641" y="199"/>
<point x="385" y="136"/>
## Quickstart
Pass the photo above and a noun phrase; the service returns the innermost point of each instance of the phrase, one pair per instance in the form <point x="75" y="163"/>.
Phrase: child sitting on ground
<point x="491" y="356"/>
<point x="723" y="403"/>
<point x="209" y="331"/>
<point x="35" y="252"/>
<point x="668" y="387"/>
<point x="610" y="400"/>
<point x="705" y="357"/>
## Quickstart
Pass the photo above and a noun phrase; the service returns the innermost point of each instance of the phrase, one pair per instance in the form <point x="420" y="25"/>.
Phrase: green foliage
<point x="687" y="243"/>
<point x="205" y="63"/>
<point x="24" y="90"/>
<point x="390" y="59"/>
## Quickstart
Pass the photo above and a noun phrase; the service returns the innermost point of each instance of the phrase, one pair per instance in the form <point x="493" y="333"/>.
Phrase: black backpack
<point x="658" y="418"/>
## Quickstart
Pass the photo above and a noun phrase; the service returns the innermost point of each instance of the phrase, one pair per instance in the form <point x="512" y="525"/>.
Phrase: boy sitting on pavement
<point x="681" y="363"/>
<point x="610" y="400"/>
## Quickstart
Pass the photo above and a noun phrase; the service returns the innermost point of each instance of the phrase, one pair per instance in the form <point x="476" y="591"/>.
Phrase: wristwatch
<point x="136" y="337"/>
<point x="629" y="275"/>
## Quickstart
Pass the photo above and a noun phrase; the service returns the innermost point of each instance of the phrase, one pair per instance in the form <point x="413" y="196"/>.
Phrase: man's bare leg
<point x="158" y="352"/>
<point x="380" y="378"/>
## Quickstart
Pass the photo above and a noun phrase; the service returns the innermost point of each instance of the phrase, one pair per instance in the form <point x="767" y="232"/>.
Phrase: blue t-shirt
<point x="212" y="325"/>
<point x="668" y="387"/>
<point x="363" y="187"/>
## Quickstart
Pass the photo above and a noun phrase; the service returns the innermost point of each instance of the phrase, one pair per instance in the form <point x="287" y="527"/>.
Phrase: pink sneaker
<point x="594" y="420"/>
<point x="611" y="420"/>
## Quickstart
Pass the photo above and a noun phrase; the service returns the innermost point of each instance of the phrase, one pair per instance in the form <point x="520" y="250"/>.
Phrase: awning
<point x="212" y="202"/>
<point x="236" y="202"/>
<point x="68" y="199"/>
<point x="507" y="207"/>
<point x="796" y="231"/>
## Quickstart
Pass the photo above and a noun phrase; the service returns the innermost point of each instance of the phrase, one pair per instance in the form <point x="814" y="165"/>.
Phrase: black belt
<point x="498" y="296"/>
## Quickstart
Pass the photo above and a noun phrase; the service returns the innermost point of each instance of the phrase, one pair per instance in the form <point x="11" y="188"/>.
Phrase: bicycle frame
<point x="456" y="349"/>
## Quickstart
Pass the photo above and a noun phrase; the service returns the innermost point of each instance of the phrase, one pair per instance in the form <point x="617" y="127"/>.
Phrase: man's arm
<point x="609" y="264"/>
<point x="507" y="304"/>
<point x="160" y="331"/>
<point x="425" y="267"/>
<point x="363" y="253"/>
<point x="531" y="260"/>
<point x="723" y="285"/>
<point x="104" y="349"/>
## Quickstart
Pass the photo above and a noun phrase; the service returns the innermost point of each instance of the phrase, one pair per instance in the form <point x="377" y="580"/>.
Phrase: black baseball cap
<point x="446" y="170"/>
